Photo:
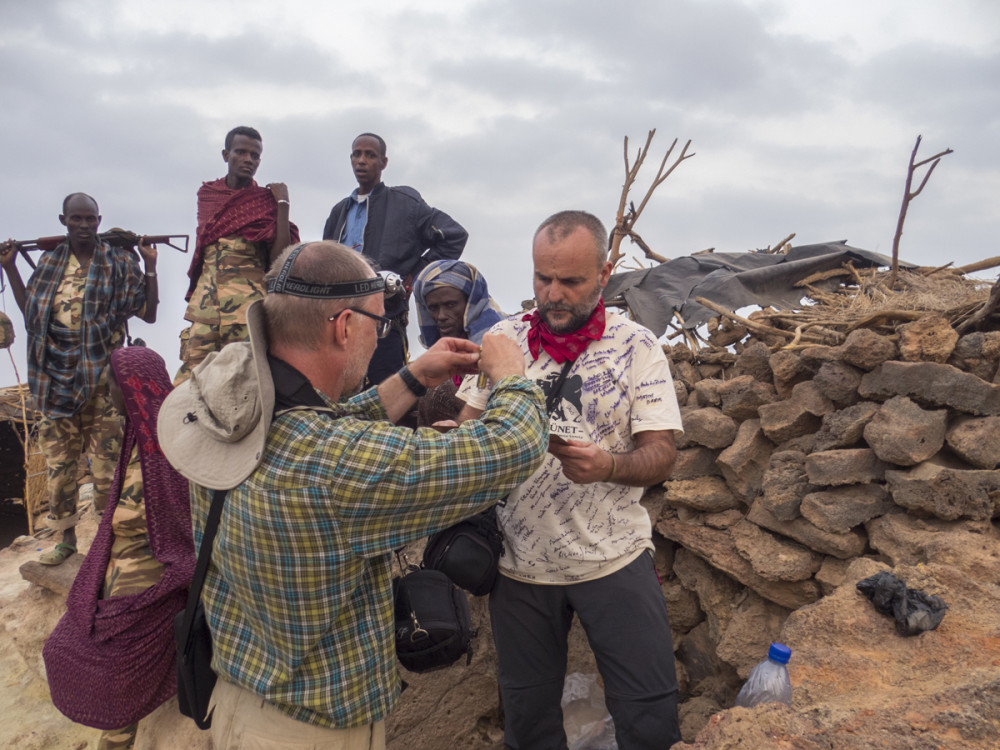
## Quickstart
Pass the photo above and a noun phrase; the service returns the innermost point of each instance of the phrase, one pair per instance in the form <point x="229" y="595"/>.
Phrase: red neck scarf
<point x="564" y="346"/>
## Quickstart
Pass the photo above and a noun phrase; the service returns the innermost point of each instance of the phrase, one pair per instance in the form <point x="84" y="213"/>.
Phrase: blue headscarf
<point x="481" y="312"/>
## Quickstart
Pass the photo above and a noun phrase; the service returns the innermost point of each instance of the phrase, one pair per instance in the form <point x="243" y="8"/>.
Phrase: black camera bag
<point x="468" y="552"/>
<point x="433" y="625"/>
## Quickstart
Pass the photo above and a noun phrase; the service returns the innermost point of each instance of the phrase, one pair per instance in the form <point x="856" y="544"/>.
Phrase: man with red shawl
<point x="241" y="228"/>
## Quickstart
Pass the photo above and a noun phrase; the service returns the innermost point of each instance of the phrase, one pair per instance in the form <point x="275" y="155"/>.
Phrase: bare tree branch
<point x="628" y="214"/>
<point x="909" y="195"/>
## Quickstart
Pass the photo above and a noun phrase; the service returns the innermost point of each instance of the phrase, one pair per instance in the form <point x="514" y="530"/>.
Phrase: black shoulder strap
<point x="204" y="554"/>
<point x="554" y="393"/>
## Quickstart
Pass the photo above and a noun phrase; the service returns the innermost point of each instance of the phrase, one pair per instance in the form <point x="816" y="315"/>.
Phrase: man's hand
<point x="582" y="462"/>
<point x="148" y="253"/>
<point x="279" y="190"/>
<point x="448" y="357"/>
<point x="8" y="254"/>
<point x="500" y="357"/>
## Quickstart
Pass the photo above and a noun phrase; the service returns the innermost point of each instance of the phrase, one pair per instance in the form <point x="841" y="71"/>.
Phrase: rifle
<point x="116" y="237"/>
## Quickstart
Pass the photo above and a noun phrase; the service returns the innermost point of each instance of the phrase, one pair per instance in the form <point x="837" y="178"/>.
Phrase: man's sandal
<point x="58" y="554"/>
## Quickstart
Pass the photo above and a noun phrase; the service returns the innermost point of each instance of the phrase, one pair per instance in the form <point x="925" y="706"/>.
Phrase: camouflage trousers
<point x="94" y="431"/>
<point x="232" y="278"/>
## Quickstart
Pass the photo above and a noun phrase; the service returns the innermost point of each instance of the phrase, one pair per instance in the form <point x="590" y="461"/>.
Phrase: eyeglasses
<point x="382" y="323"/>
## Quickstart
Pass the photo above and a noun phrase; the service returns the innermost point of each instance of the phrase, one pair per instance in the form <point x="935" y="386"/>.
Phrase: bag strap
<point x="201" y="569"/>
<point x="554" y="393"/>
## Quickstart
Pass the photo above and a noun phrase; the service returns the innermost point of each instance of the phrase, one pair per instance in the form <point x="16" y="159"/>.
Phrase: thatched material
<point x="840" y="301"/>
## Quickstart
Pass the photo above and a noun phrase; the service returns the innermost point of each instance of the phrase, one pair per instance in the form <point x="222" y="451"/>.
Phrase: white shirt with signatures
<point x="557" y="531"/>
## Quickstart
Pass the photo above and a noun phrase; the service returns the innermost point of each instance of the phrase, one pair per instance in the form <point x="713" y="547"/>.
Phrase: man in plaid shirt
<point x="298" y="593"/>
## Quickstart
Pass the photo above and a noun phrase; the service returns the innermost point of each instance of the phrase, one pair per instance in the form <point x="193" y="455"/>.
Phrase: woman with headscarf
<point x="452" y="300"/>
<point x="111" y="659"/>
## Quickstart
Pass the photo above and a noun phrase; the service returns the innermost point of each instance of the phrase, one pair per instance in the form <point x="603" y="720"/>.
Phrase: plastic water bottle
<point x="768" y="681"/>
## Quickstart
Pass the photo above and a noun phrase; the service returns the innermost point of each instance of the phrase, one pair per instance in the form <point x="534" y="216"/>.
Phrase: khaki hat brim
<point x="195" y="452"/>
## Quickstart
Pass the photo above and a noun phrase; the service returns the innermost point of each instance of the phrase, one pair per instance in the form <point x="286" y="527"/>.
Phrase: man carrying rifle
<point x="242" y="227"/>
<point x="75" y="308"/>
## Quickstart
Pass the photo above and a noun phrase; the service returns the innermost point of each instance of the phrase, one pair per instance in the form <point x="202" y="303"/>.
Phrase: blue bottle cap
<point x="779" y="652"/>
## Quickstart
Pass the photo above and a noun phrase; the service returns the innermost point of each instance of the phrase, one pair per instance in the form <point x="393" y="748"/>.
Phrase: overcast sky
<point x="802" y="116"/>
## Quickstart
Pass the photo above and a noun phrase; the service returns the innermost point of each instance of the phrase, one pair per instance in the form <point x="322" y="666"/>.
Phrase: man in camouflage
<point x="75" y="306"/>
<point x="241" y="228"/>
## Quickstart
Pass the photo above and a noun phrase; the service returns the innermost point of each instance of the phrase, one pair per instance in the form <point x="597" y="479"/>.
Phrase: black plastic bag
<point x="914" y="611"/>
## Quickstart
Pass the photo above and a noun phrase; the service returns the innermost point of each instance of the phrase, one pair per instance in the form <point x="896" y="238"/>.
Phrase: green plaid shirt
<point x="299" y="592"/>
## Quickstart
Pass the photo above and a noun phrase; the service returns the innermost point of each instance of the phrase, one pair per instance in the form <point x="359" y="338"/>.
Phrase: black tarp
<point x="733" y="280"/>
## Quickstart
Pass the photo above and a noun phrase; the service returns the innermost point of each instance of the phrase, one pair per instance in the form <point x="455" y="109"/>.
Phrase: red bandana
<point x="564" y="346"/>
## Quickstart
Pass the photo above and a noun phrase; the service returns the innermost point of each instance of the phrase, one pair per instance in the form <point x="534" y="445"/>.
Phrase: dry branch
<point x="753" y="326"/>
<point x="625" y="220"/>
<point x="778" y="248"/>
<point x="909" y="195"/>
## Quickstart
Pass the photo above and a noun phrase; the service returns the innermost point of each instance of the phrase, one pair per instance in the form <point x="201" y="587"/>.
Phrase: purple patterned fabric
<point x="112" y="661"/>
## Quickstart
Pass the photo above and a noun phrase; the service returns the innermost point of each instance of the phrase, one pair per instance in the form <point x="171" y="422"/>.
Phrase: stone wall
<point x="797" y="462"/>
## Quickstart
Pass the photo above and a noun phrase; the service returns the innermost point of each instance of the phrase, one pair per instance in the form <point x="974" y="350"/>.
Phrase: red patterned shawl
<point x="250" y="212"/>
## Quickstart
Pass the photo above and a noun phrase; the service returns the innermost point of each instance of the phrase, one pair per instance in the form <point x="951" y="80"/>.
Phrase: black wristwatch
<point x="417" y="388"/>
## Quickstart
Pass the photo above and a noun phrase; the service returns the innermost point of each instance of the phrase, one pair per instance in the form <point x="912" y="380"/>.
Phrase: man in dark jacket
<point x="398" y="231"/>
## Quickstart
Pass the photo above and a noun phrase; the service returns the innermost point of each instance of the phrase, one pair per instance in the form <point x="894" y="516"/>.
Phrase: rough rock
<point x="681" y="391"/>
<point x="932" y="384"/>
<point x="831" y="574"/>
<point x="847" y="466"/>
<point x="715" y="590"/>
<point x="788" y="369"/>
<point x="56" y="578"/>
<point x="785" y="484"/>
<point x="697" y="461"/>
<point x="755" y="623"/>
<point x="685" y="372"/>
<point x="844" y="428"/>
<point x="929" y="339"/>
<point x="705" y="670"/>
<point x="723" y="520"/>
<point x="902" y="433"/>
<point x="754" y="360"/>
<point x="707" y="426"/>
<point x="695" y="713"/>
<point x="744" y="462"/>
<point x="743" y="396"/>
<point x="857" y="684"/>
<point x="706" y="393"/>
<point x="840" y="509"/>
<point x="947" y="493"/>
<point x="799" y="414"/>
<point x="682" y="606"/>
<point x="773" y="557"/>
<point x="976" y="440"/>
<point x="839" y="382"/>
<point x="866" y="349"/>
<point x="805" y="532"/>
<point x="970" y="546"/>
<point x="710" y="494"/>
<point x="719" y="549"/>
<point x="978" y="353"/>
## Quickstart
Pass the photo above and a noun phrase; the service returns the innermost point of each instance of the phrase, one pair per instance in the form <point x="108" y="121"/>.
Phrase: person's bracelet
<point x="611" y="474"/>
<point x="417" y="388"/>
<point x="150" y="274"/>
<point x="283" y="202"/>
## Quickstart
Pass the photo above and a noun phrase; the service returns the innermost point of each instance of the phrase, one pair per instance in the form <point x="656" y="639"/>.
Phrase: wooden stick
<point x="866" y="321"/>
<point x="753" y="326"/>
<point x="980" y="266"/>
<point x="777" y="248"/>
